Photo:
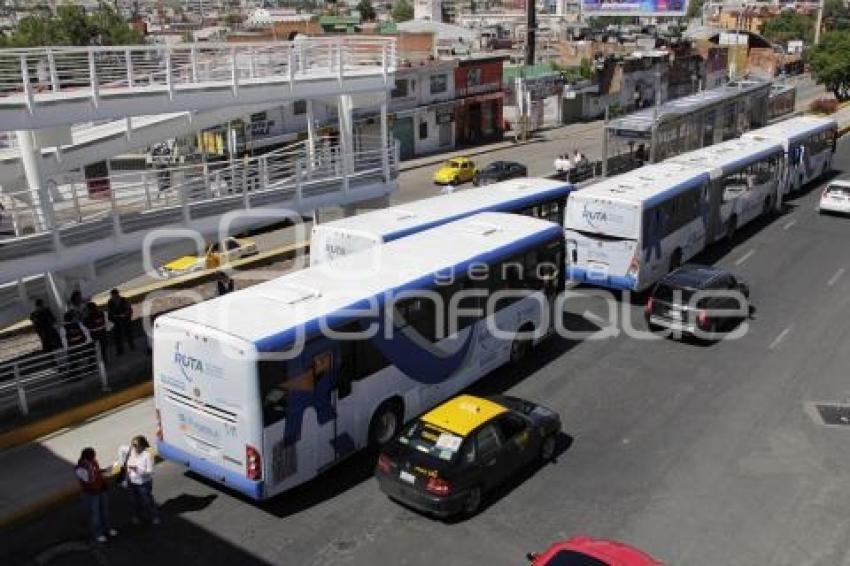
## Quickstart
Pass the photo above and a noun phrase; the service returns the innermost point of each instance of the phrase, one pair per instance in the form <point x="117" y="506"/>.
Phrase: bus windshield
<point x="606" y="218"/>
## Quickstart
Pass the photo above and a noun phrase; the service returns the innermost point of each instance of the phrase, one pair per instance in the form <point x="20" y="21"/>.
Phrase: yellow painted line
<point x="28" y="433"/>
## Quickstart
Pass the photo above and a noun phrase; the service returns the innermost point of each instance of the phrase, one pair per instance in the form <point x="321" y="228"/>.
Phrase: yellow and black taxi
<point x="444" y="462"/>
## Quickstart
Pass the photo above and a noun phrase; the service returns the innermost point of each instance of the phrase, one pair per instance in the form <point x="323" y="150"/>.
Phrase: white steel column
<point x="311" y="137"/>
<point x="385" y="159"/>
<point x="346" y="133"/>
<point x="42" y="207"/>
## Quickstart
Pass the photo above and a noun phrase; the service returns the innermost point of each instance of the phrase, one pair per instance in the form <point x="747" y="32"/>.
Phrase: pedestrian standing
<point x="73" y="334"/>
<point x="140" y="481"/>
<point x="224" y="283"/>
<point x="120" y="312"/>
<point x="94" y="486"/>
<point x="44" y="322"/>
<point x="76" y="305"/>
<point x="95" y="322"/>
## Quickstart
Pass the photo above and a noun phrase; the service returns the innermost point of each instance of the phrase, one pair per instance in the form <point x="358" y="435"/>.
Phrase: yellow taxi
<point x="455" y="171"/>
<point x="215" y="255"/>
<point x="444" y="462"/>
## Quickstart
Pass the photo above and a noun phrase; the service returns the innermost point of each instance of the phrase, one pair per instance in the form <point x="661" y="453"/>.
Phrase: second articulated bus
<point x="537" y="197"/>
<point x="264" y="388"/>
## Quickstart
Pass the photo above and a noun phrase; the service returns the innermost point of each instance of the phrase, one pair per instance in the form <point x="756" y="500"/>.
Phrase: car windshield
<point x="495" y="166"/>
<point x="429" y="439"/>
<point x="453" y="164"/>
<point x="573" y="558"/>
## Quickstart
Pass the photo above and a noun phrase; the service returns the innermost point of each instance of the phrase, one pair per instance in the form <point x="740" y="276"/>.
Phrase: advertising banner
<point x="634" y="7"/>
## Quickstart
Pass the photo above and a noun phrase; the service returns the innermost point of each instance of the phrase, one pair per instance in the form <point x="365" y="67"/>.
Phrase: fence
<point x="79" y="200"/>
<point x="35" y="72"/>
<point x="29" y="381"/>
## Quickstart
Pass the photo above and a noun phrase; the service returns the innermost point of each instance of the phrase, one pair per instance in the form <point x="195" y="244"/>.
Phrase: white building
<point x="428" y="10"/>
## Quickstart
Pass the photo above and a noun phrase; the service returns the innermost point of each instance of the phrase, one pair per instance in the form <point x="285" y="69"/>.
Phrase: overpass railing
<point x="37" y="72"/>
<point x="27" y="382"/>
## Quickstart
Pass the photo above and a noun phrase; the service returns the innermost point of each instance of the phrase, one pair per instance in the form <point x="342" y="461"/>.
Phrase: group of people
<point x="83" y="322"/>
<point x="135" y="473"/>
<point x="565" y="162"/>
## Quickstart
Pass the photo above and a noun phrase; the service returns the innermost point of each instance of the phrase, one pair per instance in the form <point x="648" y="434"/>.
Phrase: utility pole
<point x="531" y="31"/>
<point x="819" y="22"/>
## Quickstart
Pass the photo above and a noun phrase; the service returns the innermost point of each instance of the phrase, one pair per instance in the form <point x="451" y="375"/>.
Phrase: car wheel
<point x="547" y="449"/>
<point x="473" y="501"/>
<point x="456" y="181"/>
<point x="385" y="423"/>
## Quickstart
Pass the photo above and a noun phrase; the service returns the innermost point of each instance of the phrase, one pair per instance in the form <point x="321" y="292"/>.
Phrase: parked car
<point x="444" y="462"/>
<point x="587" y="551"/>
<point x="216" y="255"/>
<point x="836" y="197"/>
<point x="499" y="171"/>
<point x="675" y="305"/>
<point x="455" y="171"/>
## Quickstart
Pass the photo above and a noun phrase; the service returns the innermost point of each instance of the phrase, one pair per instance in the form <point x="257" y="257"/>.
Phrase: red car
<point x="586" y="551"/>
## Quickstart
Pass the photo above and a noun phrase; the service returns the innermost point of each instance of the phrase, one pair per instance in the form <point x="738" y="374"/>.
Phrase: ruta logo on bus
<point x="185" y="363"/>
<point x="593" y="216"/>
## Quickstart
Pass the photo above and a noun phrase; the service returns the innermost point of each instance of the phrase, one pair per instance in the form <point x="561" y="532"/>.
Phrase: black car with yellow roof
<point x="444" y="462"/>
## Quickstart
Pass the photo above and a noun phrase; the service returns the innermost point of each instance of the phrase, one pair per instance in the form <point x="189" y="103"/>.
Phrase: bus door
<point x="714" y="202"/>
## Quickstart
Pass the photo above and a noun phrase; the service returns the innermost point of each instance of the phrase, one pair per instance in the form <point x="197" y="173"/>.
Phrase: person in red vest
<point x="74" y="334"/>
<point x="94" y="486"/>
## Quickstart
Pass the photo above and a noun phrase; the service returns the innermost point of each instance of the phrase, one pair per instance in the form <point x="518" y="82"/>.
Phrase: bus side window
<point x="274" y="390"/>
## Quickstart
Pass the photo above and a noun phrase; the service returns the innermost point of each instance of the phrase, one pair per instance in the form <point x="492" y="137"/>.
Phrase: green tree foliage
<point x="71" y="26"/>
<point x="789" y="25"/>
<point x="830" y="62"/>
<point x="402" y="11"/>
<point x="694" y="9"/>
<point x="836" y="15"/>
<point x="367" y="10"/>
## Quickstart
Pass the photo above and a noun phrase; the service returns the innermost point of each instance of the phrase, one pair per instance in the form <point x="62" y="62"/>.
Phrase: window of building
<point x="401" y="88"/>
<point x="423" y="130"/>
<point x="439" y="84"/>
<point x="299" y="107"/>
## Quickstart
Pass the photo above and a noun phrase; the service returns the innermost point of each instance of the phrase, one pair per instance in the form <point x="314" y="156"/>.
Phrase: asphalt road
<point x="700" y="454"/>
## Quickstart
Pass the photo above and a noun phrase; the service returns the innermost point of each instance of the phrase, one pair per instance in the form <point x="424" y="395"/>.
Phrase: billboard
<point x="634" y="7"/>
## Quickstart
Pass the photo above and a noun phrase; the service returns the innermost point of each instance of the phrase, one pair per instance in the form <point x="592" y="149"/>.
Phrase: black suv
<point x="675" y="302"/>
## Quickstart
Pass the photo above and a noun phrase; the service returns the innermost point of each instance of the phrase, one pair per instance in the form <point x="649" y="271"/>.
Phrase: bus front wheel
<point x="385" y="423"/>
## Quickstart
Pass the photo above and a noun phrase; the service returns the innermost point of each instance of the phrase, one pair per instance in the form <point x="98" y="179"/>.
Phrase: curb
<point x="75" y="415"/>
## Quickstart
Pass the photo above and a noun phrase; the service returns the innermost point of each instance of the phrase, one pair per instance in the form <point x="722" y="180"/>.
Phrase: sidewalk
<point x="39" y="475"/>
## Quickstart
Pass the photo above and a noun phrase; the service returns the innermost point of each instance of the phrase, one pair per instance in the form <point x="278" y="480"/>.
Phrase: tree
<point x="836" y="15"/>
<point x="71" y="26"/>
<point x="787" y="26"/>
<point x="694" y="9"/>
<point x="402" y="11"/>
<point x="367" y="10"/>
<point x="830" y="62"/>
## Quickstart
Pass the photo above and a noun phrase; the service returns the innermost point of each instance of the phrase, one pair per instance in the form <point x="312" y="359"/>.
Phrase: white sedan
<point x="836" y="197"/>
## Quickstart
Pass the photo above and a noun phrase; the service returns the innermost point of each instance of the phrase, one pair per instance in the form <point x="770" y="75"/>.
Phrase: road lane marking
<point x="835" y="277"/>
<point x="745" y="257"/>
<point x="779" y="339"/>
<point x="789" y="224"/>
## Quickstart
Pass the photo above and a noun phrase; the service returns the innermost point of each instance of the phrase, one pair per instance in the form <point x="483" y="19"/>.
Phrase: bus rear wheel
<point x="385" y="423"/>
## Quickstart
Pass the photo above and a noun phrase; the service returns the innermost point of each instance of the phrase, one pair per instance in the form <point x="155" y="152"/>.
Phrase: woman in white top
<point x="140" y="481"/>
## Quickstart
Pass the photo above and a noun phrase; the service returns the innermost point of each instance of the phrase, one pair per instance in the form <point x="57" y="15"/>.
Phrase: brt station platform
<point x="685" y="124"/>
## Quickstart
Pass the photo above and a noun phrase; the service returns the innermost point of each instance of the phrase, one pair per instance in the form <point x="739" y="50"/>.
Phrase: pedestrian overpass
<point x="74" y="230"/>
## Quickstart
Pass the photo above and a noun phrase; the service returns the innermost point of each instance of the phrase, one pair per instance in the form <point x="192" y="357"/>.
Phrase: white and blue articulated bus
<point x="809" y="144"/>
<point x="264" y="388"/>
<point x="536" y="197"/>
<point x="622" y="232"/>
<point x="629" y="231"/>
